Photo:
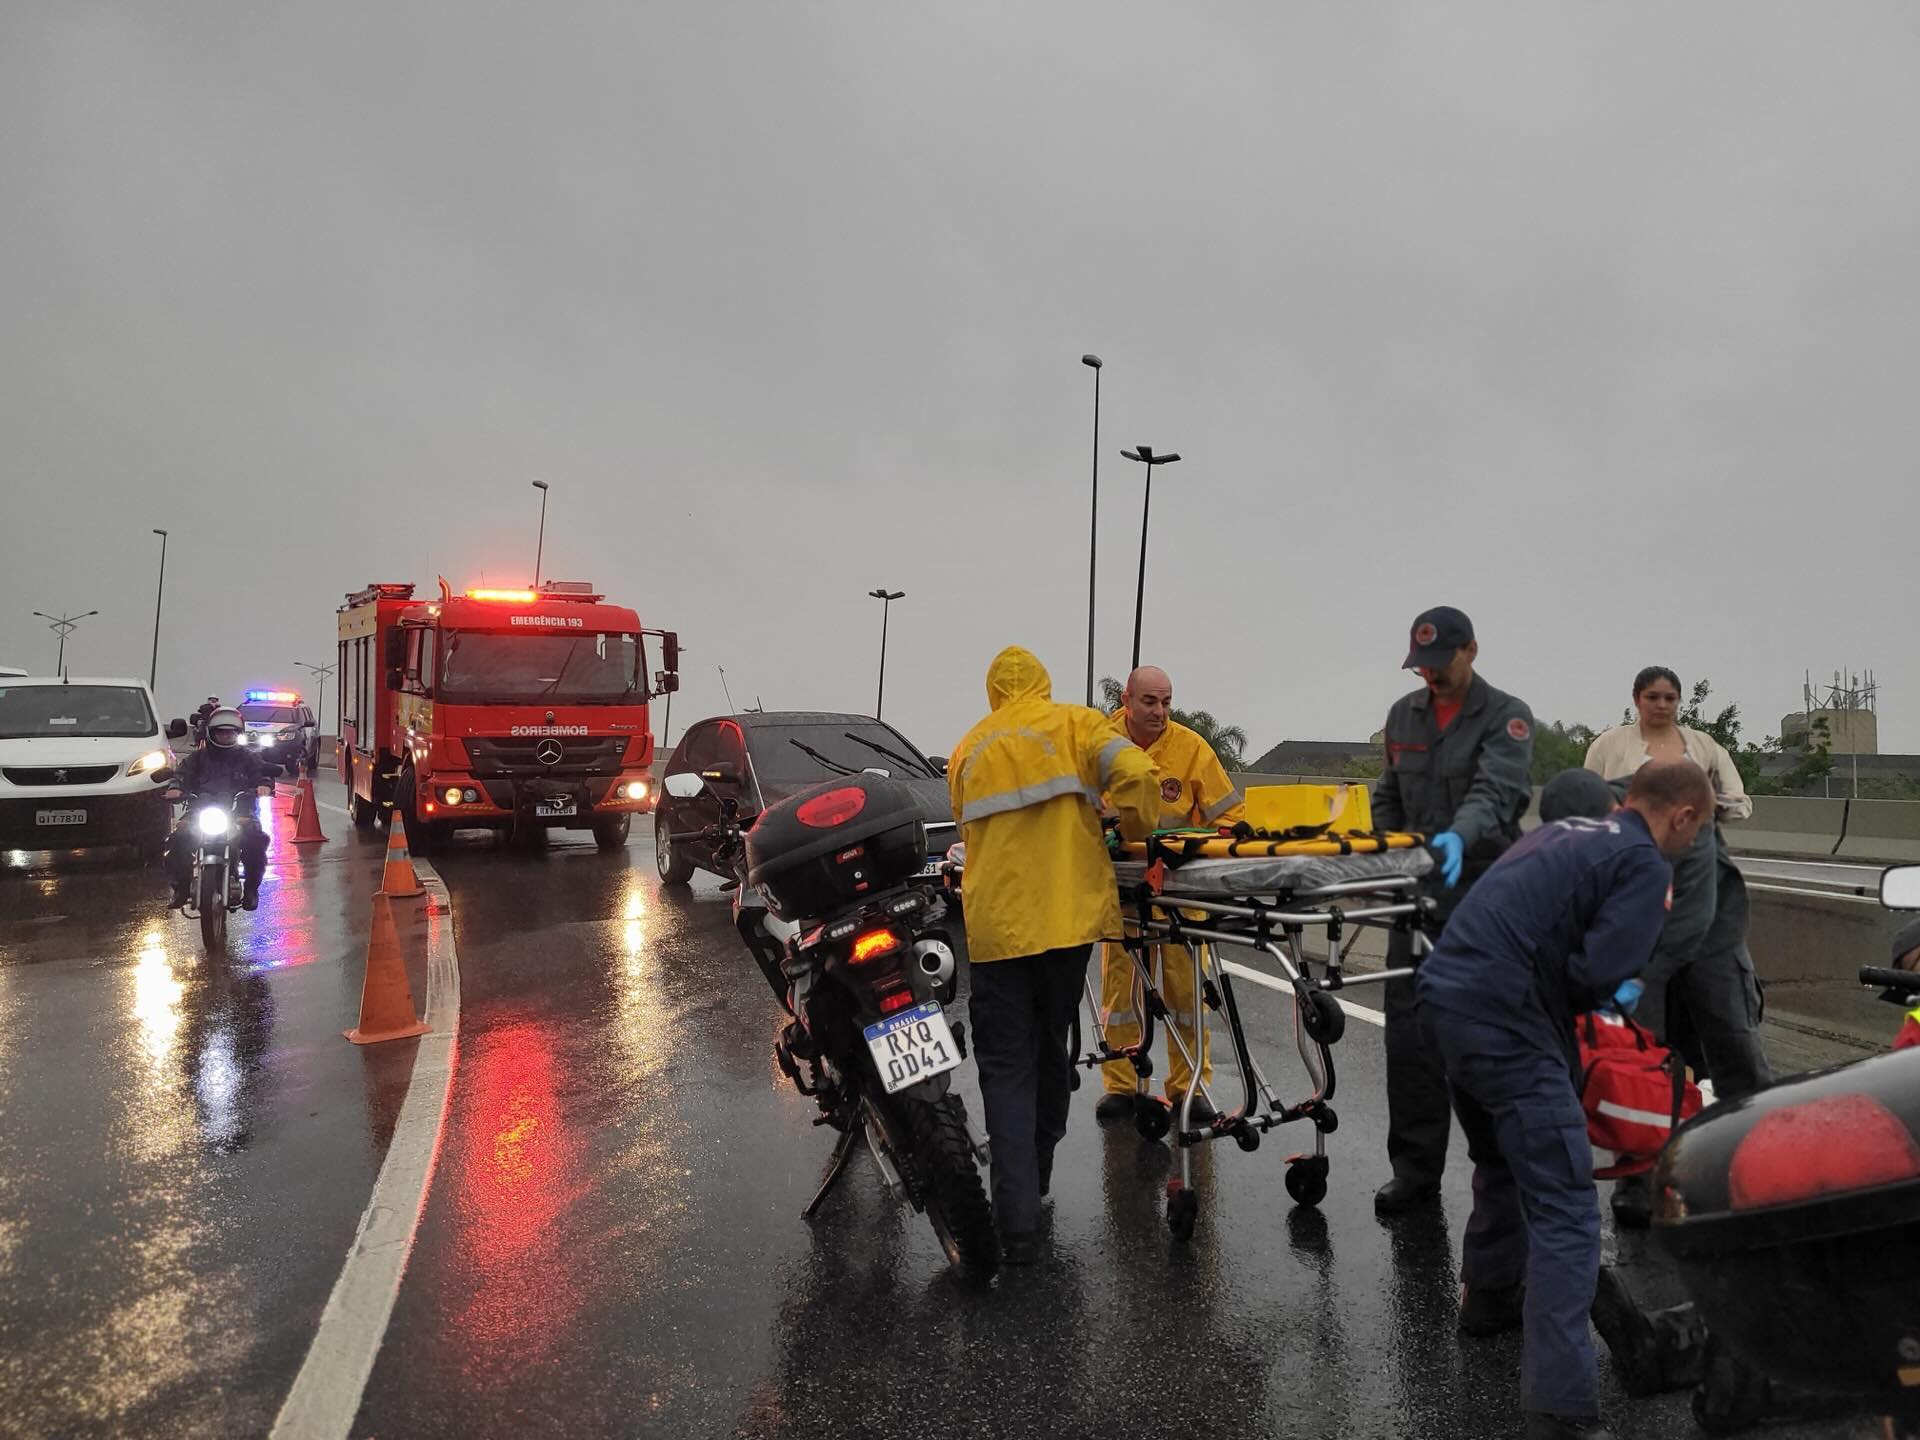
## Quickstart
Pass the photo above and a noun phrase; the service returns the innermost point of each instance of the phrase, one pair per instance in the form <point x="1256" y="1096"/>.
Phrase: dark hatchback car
<point x="779" y="753"/>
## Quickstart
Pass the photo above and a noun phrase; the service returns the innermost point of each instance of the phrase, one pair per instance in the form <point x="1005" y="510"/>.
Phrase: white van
<point x="77" y="764"/>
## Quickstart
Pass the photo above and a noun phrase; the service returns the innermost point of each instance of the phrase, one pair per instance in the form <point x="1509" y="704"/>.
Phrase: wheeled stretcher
<point x="1202" y="890"/>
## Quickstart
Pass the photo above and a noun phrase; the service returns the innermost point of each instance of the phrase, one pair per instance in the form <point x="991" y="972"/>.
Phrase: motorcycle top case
<point x="1777" y="1206"/>
<point x="832" y="846"/>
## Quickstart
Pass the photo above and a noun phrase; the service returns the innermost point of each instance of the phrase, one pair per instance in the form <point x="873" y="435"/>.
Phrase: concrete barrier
<point x="1886" y="830"/>
<point x="1791" y="826"/>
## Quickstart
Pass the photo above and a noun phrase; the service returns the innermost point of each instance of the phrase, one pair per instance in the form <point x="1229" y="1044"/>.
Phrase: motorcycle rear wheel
<point x="950" y="1187"/>
<point x="212" y="904"/>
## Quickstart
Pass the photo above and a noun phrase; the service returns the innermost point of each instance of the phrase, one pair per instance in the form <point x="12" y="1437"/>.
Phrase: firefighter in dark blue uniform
<point x="1459" y="769"/>
<point x="1562" y="924"/>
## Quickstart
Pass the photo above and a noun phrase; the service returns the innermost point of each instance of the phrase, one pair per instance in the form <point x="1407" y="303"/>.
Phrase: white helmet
<point x="227" y="719"/>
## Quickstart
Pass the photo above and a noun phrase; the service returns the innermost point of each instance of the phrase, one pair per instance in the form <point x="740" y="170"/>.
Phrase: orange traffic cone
<point x="299" y="795"/>
<point x="307" y="811"/>
<point x="398" y="880"/>
<point x="386" y="1000"/>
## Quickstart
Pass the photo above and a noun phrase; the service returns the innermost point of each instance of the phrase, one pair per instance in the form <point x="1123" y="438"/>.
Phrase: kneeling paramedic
<point x="1561" y="924"/>
<point x="213" y="775"/>
<point x="1026" y="785"/>
<point x="1194" y="791"/>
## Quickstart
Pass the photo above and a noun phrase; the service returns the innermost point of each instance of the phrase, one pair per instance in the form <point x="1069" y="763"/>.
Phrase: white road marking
<point x="326" y="1393"/>
<point x="1260" y="977"/>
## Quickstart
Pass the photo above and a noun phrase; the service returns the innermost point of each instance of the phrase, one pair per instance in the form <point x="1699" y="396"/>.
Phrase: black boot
<point x="1114" y="1106"/>
<point x="1398" y="1196"/>
<point x="250" y="896"/>
<point x="1632" y="1202"/>
<point x="1486" y="1312"/>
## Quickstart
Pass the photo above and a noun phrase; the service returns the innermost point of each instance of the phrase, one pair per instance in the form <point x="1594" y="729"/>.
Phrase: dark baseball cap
<point x="1576" y="793"/>
<point x="1436" y="635"/>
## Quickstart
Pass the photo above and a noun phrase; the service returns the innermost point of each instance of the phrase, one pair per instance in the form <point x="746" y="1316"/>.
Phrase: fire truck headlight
<point x="637" y="790"/>
<point x="452" y="797"/>
<point x="472" y="796"/>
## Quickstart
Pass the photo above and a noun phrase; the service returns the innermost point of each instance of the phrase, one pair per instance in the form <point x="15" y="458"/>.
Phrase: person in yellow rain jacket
<point x="1194" y="791"/>
<point x="1026" y="784"/>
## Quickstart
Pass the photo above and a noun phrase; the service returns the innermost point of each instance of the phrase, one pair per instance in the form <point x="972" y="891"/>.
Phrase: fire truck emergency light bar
<point x="580" y="590"/>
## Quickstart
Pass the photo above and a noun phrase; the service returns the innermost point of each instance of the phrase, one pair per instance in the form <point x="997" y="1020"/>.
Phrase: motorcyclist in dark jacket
<point x="212" y="776"/>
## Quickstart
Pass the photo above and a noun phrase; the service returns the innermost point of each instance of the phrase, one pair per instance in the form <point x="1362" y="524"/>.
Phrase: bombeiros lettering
<point x="540" y="731"/>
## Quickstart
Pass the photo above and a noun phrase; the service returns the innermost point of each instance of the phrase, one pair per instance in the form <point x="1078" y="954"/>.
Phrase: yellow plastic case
<point x="1283" y="807"/>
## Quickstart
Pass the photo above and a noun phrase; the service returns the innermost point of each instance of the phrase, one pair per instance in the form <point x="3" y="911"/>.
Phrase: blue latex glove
<point x="1451" y="853"/>
<point x="1628" y="996"/>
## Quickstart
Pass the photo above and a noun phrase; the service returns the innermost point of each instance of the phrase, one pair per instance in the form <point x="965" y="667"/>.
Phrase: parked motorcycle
<point x="1772" y="1205"/>
<point x="832" y="899"/>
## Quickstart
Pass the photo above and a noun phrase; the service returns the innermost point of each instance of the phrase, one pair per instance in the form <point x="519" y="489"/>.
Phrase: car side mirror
<point x="1900" y="887"/>
<point x="685" y="785"/>
<point x="725" y="773"/>
<point x="176" y="730"/>
<point x="161" y="776"/>
<point x="939" y="763"/>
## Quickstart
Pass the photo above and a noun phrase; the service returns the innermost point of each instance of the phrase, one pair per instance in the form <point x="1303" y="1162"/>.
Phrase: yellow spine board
<point x="1224" y="847"/>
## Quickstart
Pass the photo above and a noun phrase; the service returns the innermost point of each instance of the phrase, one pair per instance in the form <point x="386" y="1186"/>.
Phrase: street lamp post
<point x="540" y="545"/>
<point x="1093" y="545"/>
<point x="1144" y="454"/>
<point x="63" y="626"/>
<point x="886" y="599"/>
<point x="153" y="665"/>
<point x="320" y="673"/>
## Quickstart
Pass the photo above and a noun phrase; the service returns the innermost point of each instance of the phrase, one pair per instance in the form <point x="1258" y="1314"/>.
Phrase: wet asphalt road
<point x="612" y="1242"/>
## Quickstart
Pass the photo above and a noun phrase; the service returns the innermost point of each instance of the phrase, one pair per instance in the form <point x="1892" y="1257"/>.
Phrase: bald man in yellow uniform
<point x="1194" y="790"/>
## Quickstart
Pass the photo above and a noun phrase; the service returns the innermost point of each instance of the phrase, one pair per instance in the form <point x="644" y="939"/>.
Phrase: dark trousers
<point x="1536" y="1214"/>
<point x="1022" y="1011"/>
<point x="1706" y="1003"/>
<point x="1418" y="1118"/>
<point x="251" y="847"/>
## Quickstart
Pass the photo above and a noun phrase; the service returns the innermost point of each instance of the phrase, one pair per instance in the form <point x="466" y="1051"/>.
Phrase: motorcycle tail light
<point x="899" y="1000"/>
<point x="836" y="807"/>
<point x="873" y="945"/>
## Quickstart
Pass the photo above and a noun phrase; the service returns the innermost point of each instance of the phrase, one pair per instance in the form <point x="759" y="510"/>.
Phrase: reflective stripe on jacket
<point x="1026" y="785"/>
<point x="1193" y="784"/>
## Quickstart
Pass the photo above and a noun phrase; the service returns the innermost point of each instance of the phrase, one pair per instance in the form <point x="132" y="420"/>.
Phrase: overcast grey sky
<point x="1596" y="321"/>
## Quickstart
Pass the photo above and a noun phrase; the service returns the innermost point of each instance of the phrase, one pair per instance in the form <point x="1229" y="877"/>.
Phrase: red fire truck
<point x="521" y="709"/>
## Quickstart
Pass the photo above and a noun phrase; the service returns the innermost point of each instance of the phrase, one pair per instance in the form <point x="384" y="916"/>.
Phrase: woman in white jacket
<point x="1657" y="735"/>
<point x="1702" y="996"/>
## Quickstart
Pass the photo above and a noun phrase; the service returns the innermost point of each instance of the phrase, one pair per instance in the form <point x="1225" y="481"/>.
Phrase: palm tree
<point x="1229" y="742"/>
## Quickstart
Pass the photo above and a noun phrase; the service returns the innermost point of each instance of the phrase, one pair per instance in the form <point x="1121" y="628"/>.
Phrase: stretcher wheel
<point x="1307" y="1179"/>
<point x="1247" y="1138"/>
<point x="1324" y="1017"/>
<point x="1183" y="1210"/>
<point x="1151" y="1118"/>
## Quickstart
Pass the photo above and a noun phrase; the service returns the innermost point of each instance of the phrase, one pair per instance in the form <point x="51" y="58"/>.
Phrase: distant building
<point x="1849" y="732"/>
<point x="1314" y="757"/>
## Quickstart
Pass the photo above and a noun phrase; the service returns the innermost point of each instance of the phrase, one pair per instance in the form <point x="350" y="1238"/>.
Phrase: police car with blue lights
<point x="281" y="728"/>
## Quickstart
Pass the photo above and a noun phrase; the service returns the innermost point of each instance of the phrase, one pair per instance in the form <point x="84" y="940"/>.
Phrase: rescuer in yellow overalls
<point x="1194" y="790"/>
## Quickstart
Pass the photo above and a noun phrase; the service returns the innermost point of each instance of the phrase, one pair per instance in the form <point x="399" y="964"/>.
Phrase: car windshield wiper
<point x="833" y="765"/>
<point x="892" y="755"/>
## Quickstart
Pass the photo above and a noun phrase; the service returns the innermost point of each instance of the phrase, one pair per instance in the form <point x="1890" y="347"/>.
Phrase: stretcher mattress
<point x="1261" y="875"/>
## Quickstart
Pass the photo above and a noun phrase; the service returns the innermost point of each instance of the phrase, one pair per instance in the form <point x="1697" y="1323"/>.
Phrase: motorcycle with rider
<point x="222" y="778"/>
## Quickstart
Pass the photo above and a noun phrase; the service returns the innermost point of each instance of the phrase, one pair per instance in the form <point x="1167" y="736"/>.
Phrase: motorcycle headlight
<point x="212" y="823"/>
<point x="148" y="763"/>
